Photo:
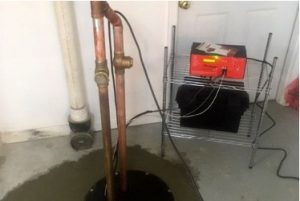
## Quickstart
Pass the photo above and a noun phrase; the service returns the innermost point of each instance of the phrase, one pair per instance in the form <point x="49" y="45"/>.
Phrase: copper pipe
<point x="121" y="121"/>
<point x="99" y="40"/>
<point x="100" y="9"/>
<point x="120" y="62"/>
<point x="106" y="135"/>
<point x="120" y="92"/>
<point x="101" y="78"/>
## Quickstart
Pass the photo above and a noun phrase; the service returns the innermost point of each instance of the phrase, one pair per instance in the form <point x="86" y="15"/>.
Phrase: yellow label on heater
<point x="209" y="60"/>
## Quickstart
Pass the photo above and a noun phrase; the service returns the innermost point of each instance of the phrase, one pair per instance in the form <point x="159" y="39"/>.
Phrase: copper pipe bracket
<point x="122" y="62"/>
<point x="101" y="74"/>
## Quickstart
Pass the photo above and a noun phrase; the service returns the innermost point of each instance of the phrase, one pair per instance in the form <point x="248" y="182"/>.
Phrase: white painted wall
<point x="149" y="21"/>
<point x="33" y="91"/>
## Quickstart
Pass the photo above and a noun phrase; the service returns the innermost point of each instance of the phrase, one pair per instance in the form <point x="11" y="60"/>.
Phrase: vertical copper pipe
<point x="100" y="9"/>
<point x="106" y="135"/>
<point x="121" y="120"/>
<point x="101" y="78"/>
<point x="120" y="91"/>
<point x="99" y="40"/>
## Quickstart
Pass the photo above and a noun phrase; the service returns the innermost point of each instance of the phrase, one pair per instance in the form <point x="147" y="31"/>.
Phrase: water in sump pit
<point x="70" y="181"/>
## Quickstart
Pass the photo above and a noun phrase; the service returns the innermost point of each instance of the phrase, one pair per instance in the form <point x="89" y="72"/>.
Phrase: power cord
<point x="159" y="109"/>
<point x="281" y="161"/>
<point x="189" y="115"/>
<point x="275" y="148"/>
<point x="269" y="128"/>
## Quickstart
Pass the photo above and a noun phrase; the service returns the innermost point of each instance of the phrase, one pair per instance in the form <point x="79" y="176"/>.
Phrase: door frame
<point x="291" y="62"/>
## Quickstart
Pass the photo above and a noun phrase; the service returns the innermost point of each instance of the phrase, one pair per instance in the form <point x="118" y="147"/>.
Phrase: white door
<point x="239" y="23"/>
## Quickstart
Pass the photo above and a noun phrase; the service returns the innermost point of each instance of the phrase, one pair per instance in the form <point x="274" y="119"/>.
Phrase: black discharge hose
<point x="159" y="109"/>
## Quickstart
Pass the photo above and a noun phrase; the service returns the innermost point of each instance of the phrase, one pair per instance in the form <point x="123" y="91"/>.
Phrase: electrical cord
<point x="111" y="61"/>
<point x="258" y="94"/>
<point x="139" y="115"/>
<point x="270" y="117"/>
<point x="269" y="128"/>
<point x="206" y="109"/>
<point x="159" y="109"/>
<point x="285" y="154"/>
<point x="261" y="61"/>
<point x="200" y="90"/>
<point x="206" y="99"/>
<point x="115" y="152"/>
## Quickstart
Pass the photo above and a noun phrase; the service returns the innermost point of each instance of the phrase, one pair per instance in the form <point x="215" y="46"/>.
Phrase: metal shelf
<point x="244" y="136"/>
<point x="257" y="81"/>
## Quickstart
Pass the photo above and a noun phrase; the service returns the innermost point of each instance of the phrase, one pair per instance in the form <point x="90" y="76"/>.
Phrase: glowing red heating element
<point x="211" y="63"/>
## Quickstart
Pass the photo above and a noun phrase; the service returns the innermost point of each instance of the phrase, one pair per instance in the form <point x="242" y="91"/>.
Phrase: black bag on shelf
<point x="223" y="115"/>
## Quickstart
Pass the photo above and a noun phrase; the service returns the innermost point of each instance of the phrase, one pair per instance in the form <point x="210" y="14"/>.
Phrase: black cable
<point x="285" y="154"/>
<point x="158" y="107"/>
<point x="270" y="117"/>
<point x="265" y="83"/>
<point x="138" y="115"/>
<point x="111" y="61"/>
<point x="115" y="154"/>
<point x="265" y="62"/>
<point x="201" y="89"/>
<point x="274" y="148"/>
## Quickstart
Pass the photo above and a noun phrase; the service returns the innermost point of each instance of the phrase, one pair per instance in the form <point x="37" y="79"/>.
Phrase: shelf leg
<point x="263" y="111"/>
<point x="253" y="153"/>
<point x="164" y="101"/>
<point x="172" y="66"/>
<point x="263" y="66"/>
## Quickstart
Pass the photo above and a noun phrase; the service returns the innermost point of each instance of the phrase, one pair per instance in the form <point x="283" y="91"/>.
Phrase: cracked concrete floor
<point x="223" y="168"/>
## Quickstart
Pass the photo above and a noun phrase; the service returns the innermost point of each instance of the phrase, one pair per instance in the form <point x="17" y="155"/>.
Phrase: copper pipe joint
<point x="122" y="62"/>
<point x="97" y="9"/>
<point x="101" y="74"/>
<point x="112" y="16"/>
<point x="102" y="8"/>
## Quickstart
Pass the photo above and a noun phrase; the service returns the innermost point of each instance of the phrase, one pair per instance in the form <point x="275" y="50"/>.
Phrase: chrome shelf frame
<point x="176" y="73"/>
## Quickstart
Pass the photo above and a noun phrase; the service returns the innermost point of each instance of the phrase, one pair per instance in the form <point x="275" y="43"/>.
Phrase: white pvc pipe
<point x="71" y="55"/>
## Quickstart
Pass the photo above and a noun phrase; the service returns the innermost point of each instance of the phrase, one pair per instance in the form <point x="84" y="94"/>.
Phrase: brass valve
<point x="101" y="74"/>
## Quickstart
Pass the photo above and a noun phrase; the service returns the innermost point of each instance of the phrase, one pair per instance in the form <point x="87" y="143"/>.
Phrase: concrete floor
<point x="222" y="169"/>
